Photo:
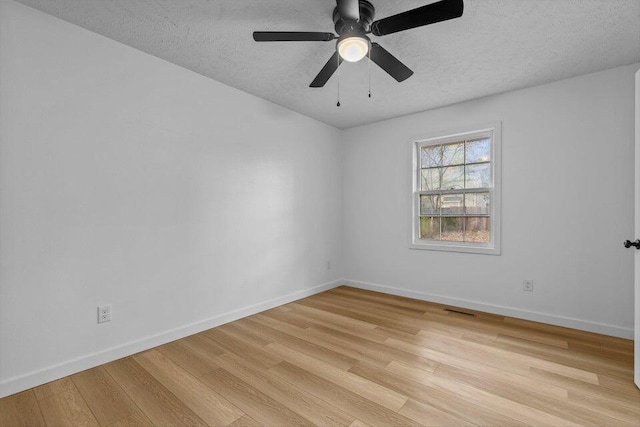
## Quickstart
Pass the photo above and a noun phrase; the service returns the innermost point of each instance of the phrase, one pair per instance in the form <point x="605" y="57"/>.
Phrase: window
<point x="456" y="192"/>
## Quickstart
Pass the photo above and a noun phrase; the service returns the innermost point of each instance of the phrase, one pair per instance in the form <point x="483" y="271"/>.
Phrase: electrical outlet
<point x="328" y="265"/>
<point x="104" y="313"/>
<point x="527" y="285"/>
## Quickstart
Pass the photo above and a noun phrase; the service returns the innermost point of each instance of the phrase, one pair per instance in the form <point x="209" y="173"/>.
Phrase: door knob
<point x="628" y="244"/>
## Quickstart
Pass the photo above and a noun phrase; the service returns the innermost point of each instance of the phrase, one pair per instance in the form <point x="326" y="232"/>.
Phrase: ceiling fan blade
<point x="292" y="36"/>
<point x="327" y="71"/>
<point x="425" y="15"/>
<point x="389" y="63"/>
<point x="349" y="9"/>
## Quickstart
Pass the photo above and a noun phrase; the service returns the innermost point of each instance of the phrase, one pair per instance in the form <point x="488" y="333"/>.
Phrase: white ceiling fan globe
<point x="353" y="49"/>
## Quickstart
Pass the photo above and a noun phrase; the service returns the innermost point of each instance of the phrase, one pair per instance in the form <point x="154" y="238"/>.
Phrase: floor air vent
<point x="459" y="312"/>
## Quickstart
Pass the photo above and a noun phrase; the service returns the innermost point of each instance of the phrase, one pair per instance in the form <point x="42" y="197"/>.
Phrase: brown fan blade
<point x="389" y="63"/>
<point x="291" y="36"/>
<point x="425" y="15"/>
<point x="327" y="71"/>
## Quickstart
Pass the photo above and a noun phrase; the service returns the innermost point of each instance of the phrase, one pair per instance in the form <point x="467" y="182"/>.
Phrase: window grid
<point x="463" y="191"/>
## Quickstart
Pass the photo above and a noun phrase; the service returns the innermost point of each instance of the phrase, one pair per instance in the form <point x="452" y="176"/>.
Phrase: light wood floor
<point x="352" y="357"/>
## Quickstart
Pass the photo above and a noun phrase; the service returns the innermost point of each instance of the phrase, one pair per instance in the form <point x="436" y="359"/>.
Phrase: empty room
<point x="319" y="212"/>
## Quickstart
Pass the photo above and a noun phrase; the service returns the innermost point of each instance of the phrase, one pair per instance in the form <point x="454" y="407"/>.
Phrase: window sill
<point x="456" y="247"/>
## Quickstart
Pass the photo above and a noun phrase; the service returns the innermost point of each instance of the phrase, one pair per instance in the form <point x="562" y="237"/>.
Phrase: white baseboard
<point x="51" y="373"/>
<point x="567" y="322"/>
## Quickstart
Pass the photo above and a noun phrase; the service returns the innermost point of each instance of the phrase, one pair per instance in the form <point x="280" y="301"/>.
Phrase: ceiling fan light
<point x="353" y="49"/>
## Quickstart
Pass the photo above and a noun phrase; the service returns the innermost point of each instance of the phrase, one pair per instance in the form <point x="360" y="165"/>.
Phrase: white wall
<point x="127" y="180"/>
<point x="567" y="206"/>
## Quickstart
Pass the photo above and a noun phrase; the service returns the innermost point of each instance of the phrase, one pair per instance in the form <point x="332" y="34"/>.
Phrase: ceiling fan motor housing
<point x="362" y="26"/>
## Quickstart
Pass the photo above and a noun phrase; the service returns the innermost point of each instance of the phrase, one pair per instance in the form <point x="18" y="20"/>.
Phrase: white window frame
<point x="494" y="129"/>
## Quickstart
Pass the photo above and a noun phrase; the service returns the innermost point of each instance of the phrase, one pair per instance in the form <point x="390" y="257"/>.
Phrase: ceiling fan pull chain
<point x="369" y="65"/>
<point x="338" y="104"/>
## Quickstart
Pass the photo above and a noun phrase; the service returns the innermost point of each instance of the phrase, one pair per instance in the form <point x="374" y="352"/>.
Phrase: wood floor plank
<point x="292" y="316"/>
<point x="21" y="410"/>
<point x="103" y="395"/>
<point x="203" y="346"/>
<point x="501" y="358"/>
<point x="137" y="419"/>
<point x="195" y="354"/>
<point x="297" y="321"/>
<point x="481" y="397"/>
<point x="388" y="299"/>
<point x="356" y="346"/>
<point x="245" y="421"/>
<point x="399" y="335"/>
<point x="362" y="315"/>
<point x="520" y="393"/>
<point x="389" y="315"/>
<point x="247" y="334"/>
<point x="629" y="397"/>
<point x="350" y="355"/>
<point x="571" y="334"/>
<point x="576" y="359"/>
<point x="161" y="406"/>
<point x="615" y="383"/>
<point x="339" y="360"/>
<point x="373" y="306"/>
<point x="430" y="416"/>
<point x="251" y="401"/>
<point x="234" y="343"/>
<point x="382" y="352"/>
<point x="616" y="342"/>
<point x="203" y="401"/>
<point x="443" y="323"/>
<point x="441" y="399"/>
<point x="53" y="387"/>
<point x="330" y="317"/>
<point x="299" y="401"/>
<point x="365" y="388"/>
<point x="521" y="380"/>
<point x="364" y="409"/>
<point x="67" y="408"/>
<point x="353" y="357"/>
<point x="454" y="358"/>
<point x="355" y="350"/>
<point x="498" y="357"/>
<point x="608" y="407"/>
<point x="128" y="373"/>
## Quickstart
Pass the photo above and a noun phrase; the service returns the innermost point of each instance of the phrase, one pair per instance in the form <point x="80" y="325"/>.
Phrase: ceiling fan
<point x="353" y="21"/>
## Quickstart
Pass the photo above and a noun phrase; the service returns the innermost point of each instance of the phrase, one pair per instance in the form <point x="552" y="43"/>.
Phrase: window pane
<point x="446" y="178"/>
<point x="429" y="179"/>
<point x="453" y="178"/>
<point x="430" y="205"/>
<point x="452" y="229"/>
<point x="478" y="176"/>
<point x="431" y="156"/>
<point x="442" y="155"/>
<point x="477" y="230"/>
<point x="479" y="150"/>
<point x="451" y="204"/>
<point x="477" y="204"/>
<point x="429" y="228"/>
<point x="453" y="154"/>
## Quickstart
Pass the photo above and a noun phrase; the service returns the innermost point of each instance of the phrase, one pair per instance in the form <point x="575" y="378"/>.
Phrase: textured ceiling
<point x="497" y="46"/>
